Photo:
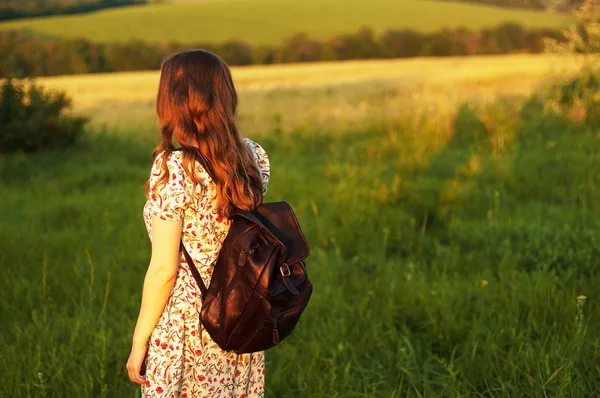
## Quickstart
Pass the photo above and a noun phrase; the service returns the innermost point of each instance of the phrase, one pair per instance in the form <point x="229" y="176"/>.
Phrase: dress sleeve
<point x="169" y="199"/>
<point x="261" y="158"/>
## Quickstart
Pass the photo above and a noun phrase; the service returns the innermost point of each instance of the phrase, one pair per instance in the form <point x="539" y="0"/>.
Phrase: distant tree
<point x="300" y="48"/>
<point x="472" y="43"/>
<point x="489" y="42"/>
<point x="510" y="37"/>
<point x="235" y="52"/>
<point x="361" y="45"/>
<point x="403" y="43"/>
<point x="558" y="5"/>
<point x="439" y="44"/>
<point x="13" y="9"/>
<point x="265" y="55"/>
<point x="534" y="39"/>
<point x="461" y="39"/>
<point x="133" y="55"/>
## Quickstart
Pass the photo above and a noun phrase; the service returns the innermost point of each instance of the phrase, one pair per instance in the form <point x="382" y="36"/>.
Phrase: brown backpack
<point x="259" y="287"/>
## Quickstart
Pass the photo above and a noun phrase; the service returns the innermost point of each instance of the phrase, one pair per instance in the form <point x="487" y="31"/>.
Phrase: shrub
<point x="578" y="98"/>
<point x="584" y="36"/>
<point x="32" y="119"/>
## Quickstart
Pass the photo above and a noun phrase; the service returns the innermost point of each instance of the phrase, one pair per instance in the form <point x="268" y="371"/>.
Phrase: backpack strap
<point x="194" y="270"/>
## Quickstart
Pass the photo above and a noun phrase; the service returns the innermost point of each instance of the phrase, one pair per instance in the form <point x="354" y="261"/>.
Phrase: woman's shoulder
<point x="262" y="160"/>
<point x="176" y="156"/>
<point x="173" y="162"/>
<point x="257" y="149"/>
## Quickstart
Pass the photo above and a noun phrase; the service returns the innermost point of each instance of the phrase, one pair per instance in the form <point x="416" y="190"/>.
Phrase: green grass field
<point x="448" y="254"/>
<point x="269" y="21"/>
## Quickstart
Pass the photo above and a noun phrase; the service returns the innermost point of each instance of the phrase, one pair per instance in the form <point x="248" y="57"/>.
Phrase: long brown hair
<point x="196" y="105"/>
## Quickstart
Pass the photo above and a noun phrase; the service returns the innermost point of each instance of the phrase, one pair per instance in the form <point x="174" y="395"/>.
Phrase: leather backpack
<point x="259" y="287"/>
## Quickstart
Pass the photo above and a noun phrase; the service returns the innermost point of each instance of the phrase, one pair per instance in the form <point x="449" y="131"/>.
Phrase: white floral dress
<point x="183" y="360"/>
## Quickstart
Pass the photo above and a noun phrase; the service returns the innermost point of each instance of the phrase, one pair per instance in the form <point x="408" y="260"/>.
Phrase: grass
<point x="450" y="252"/>
<point x="283" y="96"/>
<point x="270" y="21"/>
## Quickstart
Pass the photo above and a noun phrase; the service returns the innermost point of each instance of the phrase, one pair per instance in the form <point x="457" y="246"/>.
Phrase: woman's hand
<point x="135" y="361"/>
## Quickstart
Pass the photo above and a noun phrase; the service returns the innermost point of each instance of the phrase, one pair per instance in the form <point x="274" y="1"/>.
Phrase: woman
<point x="191" y="192"/>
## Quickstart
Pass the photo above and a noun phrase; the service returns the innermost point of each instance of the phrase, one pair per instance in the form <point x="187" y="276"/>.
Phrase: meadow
<point x="270" y="21"/>
<point x="283" y="96"/>
<point x="453" y="224"/>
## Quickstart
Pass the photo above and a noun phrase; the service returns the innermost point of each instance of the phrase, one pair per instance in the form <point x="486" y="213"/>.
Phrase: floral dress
<point x="183" y="361"/>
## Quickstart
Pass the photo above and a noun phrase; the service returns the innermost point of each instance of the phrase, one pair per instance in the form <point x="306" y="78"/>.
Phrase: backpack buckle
<point x="285" y="270"/>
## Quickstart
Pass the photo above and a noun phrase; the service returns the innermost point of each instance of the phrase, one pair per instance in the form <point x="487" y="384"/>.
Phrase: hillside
<point x="269" y="21"/>
<point x="347" y="92"/>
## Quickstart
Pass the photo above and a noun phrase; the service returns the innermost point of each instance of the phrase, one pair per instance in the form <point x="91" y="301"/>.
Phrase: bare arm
<point x="158" y="284"/>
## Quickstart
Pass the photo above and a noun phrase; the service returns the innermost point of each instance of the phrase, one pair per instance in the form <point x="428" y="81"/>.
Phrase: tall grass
<point x="284" y="96"/>
<point x="449" y="258"/>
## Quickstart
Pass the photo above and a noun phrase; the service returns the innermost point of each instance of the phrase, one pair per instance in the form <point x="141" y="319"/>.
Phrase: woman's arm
<point x="158" y="284"/>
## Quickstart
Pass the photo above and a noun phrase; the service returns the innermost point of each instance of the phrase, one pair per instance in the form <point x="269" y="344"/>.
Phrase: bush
<point x="32" y="119"/>
<point x="577" y="98"/>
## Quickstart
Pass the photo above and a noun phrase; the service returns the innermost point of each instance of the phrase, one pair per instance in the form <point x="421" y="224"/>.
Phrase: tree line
<point x="28" y="55"/>
<point x="15" y="9"/>
<point x="556" y="5"/>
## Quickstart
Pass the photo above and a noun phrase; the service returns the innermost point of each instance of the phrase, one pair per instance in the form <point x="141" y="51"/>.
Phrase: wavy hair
<point x="196" y="105"/>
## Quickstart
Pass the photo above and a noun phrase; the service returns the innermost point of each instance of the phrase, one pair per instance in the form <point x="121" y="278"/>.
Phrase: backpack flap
<point x="279" y="218"/>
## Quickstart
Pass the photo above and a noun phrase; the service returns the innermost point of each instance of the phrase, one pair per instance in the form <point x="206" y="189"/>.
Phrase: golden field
<point x="330" y="95"/>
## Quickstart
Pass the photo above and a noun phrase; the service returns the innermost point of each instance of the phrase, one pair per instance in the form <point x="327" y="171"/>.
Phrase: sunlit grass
<point x="332" y="95"/>
<point x="448" y="255"/>
<point x="451" y="245"/>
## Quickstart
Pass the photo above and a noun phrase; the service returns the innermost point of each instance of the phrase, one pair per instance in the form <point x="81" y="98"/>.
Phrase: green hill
<point x="268" y="21"/>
